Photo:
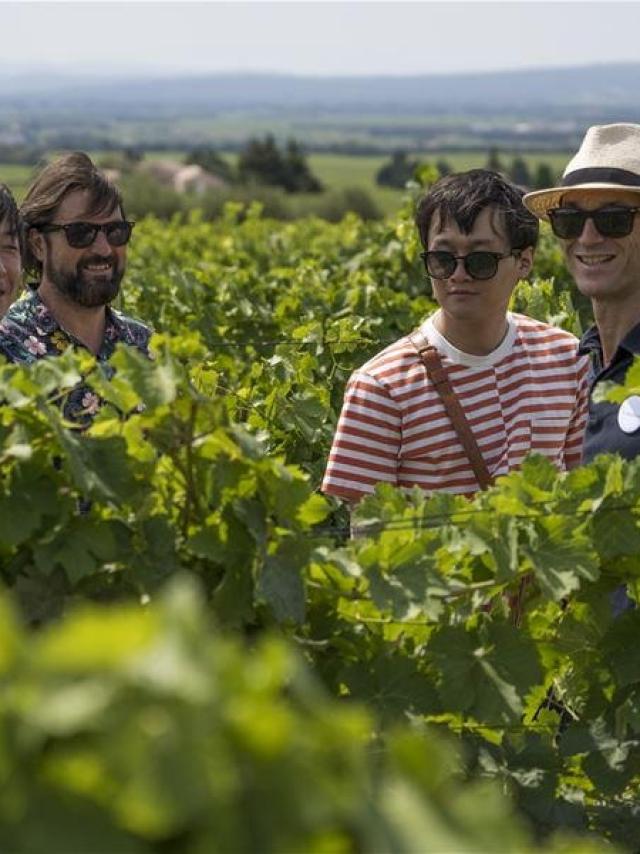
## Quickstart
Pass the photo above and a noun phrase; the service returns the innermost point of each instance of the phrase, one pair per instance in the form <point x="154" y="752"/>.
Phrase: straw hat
<point x="608" y="159"/>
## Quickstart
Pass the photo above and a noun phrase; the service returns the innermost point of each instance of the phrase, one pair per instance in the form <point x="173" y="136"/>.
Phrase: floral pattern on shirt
<point x="29" y="332"/>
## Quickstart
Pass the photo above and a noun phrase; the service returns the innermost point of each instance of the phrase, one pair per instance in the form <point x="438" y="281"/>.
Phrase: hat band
<point x="601" y="174"/>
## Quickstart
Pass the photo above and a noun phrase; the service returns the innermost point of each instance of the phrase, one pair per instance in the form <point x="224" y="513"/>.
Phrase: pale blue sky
<point x="314" y="38"/>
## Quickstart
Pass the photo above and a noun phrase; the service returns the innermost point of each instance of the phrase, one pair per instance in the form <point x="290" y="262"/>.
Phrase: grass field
<point x="341" y="170"/>
<point x="338" y="171"/>
<point x="16" y="177"/>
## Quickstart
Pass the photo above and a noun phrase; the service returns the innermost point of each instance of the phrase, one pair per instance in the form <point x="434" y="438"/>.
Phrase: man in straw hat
<point x="594" y="213"/>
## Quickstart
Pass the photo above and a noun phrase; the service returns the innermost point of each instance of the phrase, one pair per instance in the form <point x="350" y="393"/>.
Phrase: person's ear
<point x="35" y="242"/>
<point x="525" y="262"/>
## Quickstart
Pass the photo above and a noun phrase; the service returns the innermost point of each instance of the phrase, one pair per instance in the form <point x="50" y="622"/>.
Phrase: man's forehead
<point x="81" y="204"/>
<point x="489" y="222"/>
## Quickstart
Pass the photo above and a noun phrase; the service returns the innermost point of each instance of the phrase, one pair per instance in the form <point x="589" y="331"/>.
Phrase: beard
<point x="89" y="290"/>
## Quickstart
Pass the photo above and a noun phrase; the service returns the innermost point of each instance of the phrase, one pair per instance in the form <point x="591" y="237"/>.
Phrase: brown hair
<point x="66" y="174"/>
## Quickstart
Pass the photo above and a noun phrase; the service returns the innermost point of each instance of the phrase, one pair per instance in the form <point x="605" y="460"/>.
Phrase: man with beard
<point x="76" y="245"/>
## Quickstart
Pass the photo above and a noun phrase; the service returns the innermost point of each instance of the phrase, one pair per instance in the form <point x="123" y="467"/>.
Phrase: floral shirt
<point x="29" y="332"/>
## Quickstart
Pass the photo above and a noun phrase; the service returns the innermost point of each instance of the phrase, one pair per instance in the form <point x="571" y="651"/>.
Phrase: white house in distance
<point x="176" y="176"/>
<point x="181" y="178"/>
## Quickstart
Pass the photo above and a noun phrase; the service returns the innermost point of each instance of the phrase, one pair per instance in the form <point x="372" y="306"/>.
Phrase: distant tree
<point x="359" y="201"/>
<point x="123" y="159"/>
<point x="23" y="155"/>
<point x="132" y="154"/>
<point x="519" y="172"/>
<point x="335" y="204"/>
<point x="261" y="161"/>
<point x="543" y="177"/>
<point x="211" y="162"/>
<point x="145" y="195"/>
<point x="298" y="177"/>
<point x="444" y="167"/>
<point x="493" y="161"/>
<point x="397" y="171"/>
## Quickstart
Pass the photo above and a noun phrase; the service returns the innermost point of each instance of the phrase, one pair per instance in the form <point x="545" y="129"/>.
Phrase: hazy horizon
<point x="150" y="73"/>
<point x="313" y="39"/>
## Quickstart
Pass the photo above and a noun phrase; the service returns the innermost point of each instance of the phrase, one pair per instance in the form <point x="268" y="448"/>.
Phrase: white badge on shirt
<point x="629" y="414"/>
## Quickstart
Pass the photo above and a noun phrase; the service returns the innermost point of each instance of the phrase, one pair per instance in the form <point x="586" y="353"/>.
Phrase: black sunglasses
<point x="479" y="265"/>
<point x="568" y="223"/>
<point x="82" y="234"/>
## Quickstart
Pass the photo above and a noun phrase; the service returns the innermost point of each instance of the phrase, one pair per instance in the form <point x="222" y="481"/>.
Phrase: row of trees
<point x="262" y="161"/>
<point x="400" y="169"/>
<point x="277" y="178"/>
<point x="536" y="178"/>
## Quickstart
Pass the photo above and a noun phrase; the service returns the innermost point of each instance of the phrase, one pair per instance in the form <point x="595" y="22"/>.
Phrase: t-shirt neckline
<point x="459" y="357"/>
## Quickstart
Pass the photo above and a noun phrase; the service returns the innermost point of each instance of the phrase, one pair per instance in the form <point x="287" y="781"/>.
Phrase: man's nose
<point x="590" y="233"/>
<point x="459" y="273"/>
<point x="101" y="244"/>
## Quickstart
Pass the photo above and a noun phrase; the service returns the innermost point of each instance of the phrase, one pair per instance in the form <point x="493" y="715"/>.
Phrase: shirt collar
<point x="113" y="327"/>
<point x="631" y="340"/>
<point x="591" y="343"/>
<point x="459" y="357"/>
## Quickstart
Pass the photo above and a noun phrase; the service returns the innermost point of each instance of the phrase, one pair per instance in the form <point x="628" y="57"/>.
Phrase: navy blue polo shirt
<point x="603" y="433"/>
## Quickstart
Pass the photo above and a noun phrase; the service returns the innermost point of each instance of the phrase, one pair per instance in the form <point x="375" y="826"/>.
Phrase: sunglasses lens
<point x="440" y="265"/>
<point x="614" y="223"/>
<point x="481" y="265"/>
<point x="567" y="223"/>
<point x="80" y="234"/>
<point x="118" y="233"/>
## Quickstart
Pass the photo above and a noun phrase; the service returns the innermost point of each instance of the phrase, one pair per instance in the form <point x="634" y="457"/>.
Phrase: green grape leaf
<point x="280" y="580"/>
<point x="488" y="680"/>
<point x="561" y="555"/>
<point x="393" y="685"/>
<point x="620" y="648"/>
<point x="615" y="532"/>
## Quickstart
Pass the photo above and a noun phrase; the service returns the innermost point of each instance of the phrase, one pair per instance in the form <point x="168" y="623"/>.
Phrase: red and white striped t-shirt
<point x="529" y="395"/>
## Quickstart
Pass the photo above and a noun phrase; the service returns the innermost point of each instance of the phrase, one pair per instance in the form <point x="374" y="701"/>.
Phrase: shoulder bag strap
<point x="438" y="376"/>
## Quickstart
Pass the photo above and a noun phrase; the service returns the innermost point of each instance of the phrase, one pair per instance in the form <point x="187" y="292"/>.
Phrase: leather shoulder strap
<point x="438" y="376"/>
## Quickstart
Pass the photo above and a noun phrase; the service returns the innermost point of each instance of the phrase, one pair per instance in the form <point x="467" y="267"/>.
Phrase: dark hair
<point x="66" y="174"/>
<point x="463" y="195"/>
<point x="9" y="212"/>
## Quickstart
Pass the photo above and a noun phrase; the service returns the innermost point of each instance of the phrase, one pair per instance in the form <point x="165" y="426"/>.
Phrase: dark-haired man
<point x="11" y="247"/>
<point x="518" y="382"/>
<point x="76" y="245"/>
